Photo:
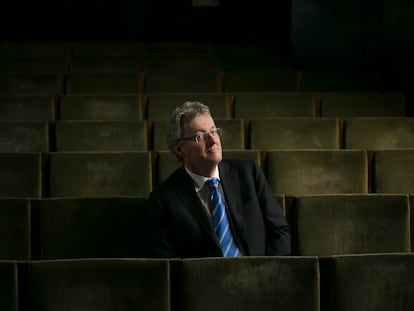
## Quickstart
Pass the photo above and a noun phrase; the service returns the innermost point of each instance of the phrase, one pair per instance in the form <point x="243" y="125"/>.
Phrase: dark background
<point x="372" y="34"/>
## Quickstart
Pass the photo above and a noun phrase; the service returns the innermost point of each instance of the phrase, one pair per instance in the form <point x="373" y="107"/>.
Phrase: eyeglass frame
<point x="203" y="136"/>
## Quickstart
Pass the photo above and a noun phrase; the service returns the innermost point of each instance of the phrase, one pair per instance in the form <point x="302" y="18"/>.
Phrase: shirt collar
<point x="199" y="180"/>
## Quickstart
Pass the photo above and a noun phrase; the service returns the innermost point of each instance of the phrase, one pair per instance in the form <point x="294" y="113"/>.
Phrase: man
<point x="192" y="216"/>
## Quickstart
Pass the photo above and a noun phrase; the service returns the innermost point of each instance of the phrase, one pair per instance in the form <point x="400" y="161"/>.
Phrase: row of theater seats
<point x="289" y="172"/>
<point x="237" y="134"/>
<point x="118" y="227"/>
<point x="191" y="81"/>
<point x="350" y="283"/>
<point x="132" y="67"/>
<point x="156" y="106"/>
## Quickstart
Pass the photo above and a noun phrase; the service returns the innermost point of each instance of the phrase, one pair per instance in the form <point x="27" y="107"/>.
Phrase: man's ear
<point x="178" y="150"/>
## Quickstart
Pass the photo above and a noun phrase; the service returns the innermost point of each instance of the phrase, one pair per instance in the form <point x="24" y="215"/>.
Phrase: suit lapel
<point x="231" y="188"/>
<point x="188" y="196"/>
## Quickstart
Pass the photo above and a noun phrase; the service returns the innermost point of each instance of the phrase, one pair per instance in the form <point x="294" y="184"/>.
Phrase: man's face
<point x="203" y="156"/>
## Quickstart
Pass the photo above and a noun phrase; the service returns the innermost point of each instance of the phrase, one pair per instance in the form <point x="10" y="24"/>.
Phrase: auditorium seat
<point x="107" y="64"/>
<point x="235" y="56"/>
<point x="392" y="171"/>
<point x="99" y="284"/>
<point x="24" y="136"/>
<point x="91" y="174"/>
<point x="21" y="175"/>
<point x="15" y="230"/>
<point x="40" y="48"/>
<point x="27" y="108"/>
<point x="294" y="133"/>
<point x="249" y="284"/>
<point x="98" y="83"/>
<point x="362" y="104"/>
<point x="260" y="81"/>
<point x="183" y="47"/>
<point x="244" y="154"/>
<point x="30" y="84"/>
<point x="181" y="82"/>
<point x="233" y="133"/>
<point x="339" y="81"/>
<point x="165" y="164"/>
<point x="372" y="282"/>
<point x="341" y="224"/>
<point x="106" y="48"/>
<point x="161" y="105"/>
<point x="239" y="62"/>
<point x="9" y="286"/>
<point x="303" y="172"/>
<point x="101" y="136"/>
<point x="101" y="107"/>
<point x="379" y="133"/>
<point x="113" y="227"/>
<point x="158" y="134"/>
<point x="273" y="105"/>
<point x="179" y="63"/>
<point x="51" y="64"/>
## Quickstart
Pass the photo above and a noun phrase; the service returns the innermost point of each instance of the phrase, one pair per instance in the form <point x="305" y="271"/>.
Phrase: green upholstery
<point x="179" y="63"/>
<point x="101" y="136"/>
<point x="260" y="81"/>
<point x="158" y="135"/>
<point x="15" y="229"/>
<point x="362" y="104"/>
<point x="39" y="48"/>
<point x="9" y="295"/>
<point x="379" y="133"/>
<point x="233" y="136"/>
<point x="339" y="81"/>
<point x="50" y="64"/>
<point x="244" y="154"/>
<point x="181" y="82"/>
<point x="20" y="175"/>
<point x="91" y="174"/>
<point x="302" y="172"/>
<point x="27" y="108"/>
<point x="90" y="83"/>
<point x="392" y="171"/>
<point x="234" y="63"/>
<point x="30" y="84"/>
<point x="273" y="105"/>
<point x="165" y="164"/>
<point x="250" y="283"/>
<point x="112" y="227"/>
<point x="24" y="136"/>
<point x="372" y="282"/>
<point x="169" y="48"/>
<point x="350" y="224"/>
<point x="294" y="133"/>
<point x="100" y="64"/>
<point x="100" y="107"/>
<point x="161" y="105"/>
<point x="106" y="48"/>
<point x="99" y="284"/>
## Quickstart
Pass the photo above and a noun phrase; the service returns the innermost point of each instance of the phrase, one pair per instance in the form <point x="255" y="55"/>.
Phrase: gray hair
<point x="183" y="115"/>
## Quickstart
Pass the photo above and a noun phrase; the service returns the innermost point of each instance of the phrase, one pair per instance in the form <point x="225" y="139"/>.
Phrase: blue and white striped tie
<point x="220" y="221"/>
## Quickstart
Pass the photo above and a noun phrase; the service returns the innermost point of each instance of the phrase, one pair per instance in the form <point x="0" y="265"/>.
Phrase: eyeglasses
<point x="203" y="136"/>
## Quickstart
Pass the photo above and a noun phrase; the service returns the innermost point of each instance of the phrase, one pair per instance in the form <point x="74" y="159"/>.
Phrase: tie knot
<point x="212" y="183"/>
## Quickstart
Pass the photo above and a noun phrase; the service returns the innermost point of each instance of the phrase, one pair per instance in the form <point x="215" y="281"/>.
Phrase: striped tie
<point x="220" y="221"/>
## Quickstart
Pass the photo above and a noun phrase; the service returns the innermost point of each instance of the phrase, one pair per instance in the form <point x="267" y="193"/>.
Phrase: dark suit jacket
<point x="181" y="227"/>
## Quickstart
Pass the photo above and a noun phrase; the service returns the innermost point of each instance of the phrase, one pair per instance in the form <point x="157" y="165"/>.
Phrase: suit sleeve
<point x="278" y="240"/>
